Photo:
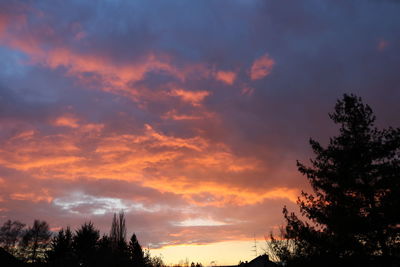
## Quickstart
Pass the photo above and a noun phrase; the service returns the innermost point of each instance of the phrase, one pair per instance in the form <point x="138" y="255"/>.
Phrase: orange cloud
<point x="67" y="121"/>
<point x="116" y="75"/>
<point x="194" y="143"/>
<point x="227" y="77"/>
<point x="193" y="97"/>
<point x="43" y="195"/>
<point x="186" y="166"/>
<point x="174" y="115"/>
<point x="261" y="67"/>
<point x="200" y="114"/>
<point x="111" y="76"/>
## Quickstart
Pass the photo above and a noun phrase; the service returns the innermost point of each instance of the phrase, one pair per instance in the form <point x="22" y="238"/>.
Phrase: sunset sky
<point x="187" y="115"/>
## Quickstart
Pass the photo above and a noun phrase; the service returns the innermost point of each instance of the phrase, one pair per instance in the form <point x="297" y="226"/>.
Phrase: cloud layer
<point x="188" y="115"/>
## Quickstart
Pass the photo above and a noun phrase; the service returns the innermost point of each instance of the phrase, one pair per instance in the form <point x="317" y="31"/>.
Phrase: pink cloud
<point x="67" y="120"/>
<point x="247" y="91"/>
<point x="227" y="77"/>
<point x="193" y="97"/>
<point x="261" y="67"/>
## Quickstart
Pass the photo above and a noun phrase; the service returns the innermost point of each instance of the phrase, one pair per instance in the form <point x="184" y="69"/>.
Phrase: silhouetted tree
<point x="353" y="214"/>
<point x="35" y="241"/>
<point x="136" y="252"/>
<point x="196" y="264"/>
<point x="10" y="233"/>
<point x="280" y="249"/>
<point x="61" y="251"/>
<point x="155" y="261"/>
<point x="85" y="244"/>
<point x="118" y="232"/>
<point x="105" y="252"/>
<point x="117" y="239"/>
<point x="82" y="248"/>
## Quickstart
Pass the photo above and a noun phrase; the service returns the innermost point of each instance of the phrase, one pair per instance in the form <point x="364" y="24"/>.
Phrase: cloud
<point x="193" y="97"/>
<point x="102" y="110"/>
<point x="67" y="121"/>
<point x="149" y="158"/>
<point x="261" y="67"/>
<point x="227" y="77"/>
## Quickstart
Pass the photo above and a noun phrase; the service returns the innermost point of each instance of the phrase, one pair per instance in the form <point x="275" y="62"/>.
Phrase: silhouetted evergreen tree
<point x="61" y="252"/>
<point x="82" y="248"/>
<point x="136" y="253"/>
<point x="353" y="213"/>
<point x="105" y="253"/>
<point x="85" y="244"/>
<point x="35" y="241"/>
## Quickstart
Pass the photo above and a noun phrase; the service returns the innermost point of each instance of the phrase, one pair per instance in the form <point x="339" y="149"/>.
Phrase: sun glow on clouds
<point x="227" y="77"/>
<point x="200" y="222"/>
<point x="188" y="125"/>
<point x="43" y="195"/>
<point x="194" y="98"/>
<point x="130" y="157"/>
<point x="67" y="121"/>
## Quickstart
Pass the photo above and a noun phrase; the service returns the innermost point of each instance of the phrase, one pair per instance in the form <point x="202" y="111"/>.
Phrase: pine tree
<point x="136" y="253"/>
<point x="85" y="244"/>
<point x="61" y="250"/>
<point x="353" y="213"/>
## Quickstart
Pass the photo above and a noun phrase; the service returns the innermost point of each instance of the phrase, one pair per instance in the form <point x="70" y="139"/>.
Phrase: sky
<point x="187" y="115"/>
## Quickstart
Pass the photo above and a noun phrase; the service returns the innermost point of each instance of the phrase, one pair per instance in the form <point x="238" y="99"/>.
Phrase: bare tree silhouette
<point x="35" y="240"/>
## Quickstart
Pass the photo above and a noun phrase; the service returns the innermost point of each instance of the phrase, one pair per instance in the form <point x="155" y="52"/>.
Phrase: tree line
<point x="38" y="246"/>
<point x="352" y="217"/>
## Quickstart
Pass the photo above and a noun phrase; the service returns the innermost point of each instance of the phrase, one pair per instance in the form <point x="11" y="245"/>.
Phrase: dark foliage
<point x="136" y="253"/>
<point x="85" y="244"/>
<point x="8" y="260"/>
<point x="196" y="264"/>
<point x="353" y="214"/>
<point x="35" y="241"/>
<point x="61" y="251"/>
<point x="10" y="233"/>
<point x="67" y="249"/>
<point x="118" y="232"/>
